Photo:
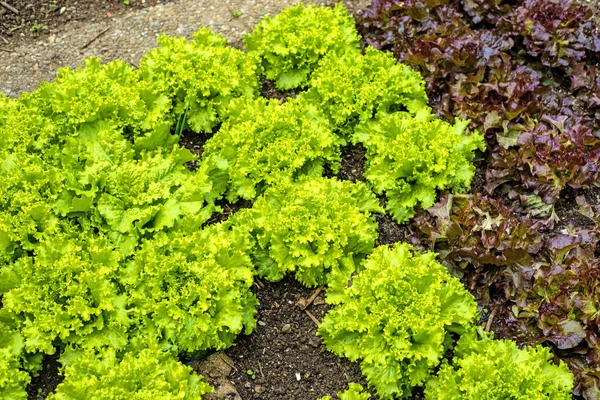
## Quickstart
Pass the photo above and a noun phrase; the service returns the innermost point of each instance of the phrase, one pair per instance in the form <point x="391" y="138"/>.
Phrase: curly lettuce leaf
<point x="198" y="78"/>
<point x="353" y="88"/>
<point x="483" y="368"/>
<point x="265" y="142"/>
<point x="355" y="391"/>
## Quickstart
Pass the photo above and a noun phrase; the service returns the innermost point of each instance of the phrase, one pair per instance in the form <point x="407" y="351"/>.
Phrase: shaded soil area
<point x="567" y="209"/>
<point x="391" y="232"/>
<point x="22" y="20"/>
<point x="353" y="163"/>
<point x="44" y="382"/>
<point x="269" y="91"/>
<point x="194" y="142"/>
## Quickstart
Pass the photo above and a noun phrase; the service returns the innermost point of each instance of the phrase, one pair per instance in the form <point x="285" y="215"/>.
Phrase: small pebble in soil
<point x="315" y="341"/>
<point x="287" y="328"/>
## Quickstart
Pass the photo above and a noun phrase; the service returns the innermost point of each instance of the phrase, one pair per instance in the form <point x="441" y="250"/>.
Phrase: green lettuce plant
<point x="198" y="78"/>
<point x="98" y="177"/>
<point x="355" y="391"/>
<point x="353" y="88"/>
<point x="317" y="229"/>
<point x="26" y="194"/>
<point x="192" y="291"/>
<point x="398" y="318"/>
<point x="292" y="43"/>
<point x="108" y="93"/>
<point x="66" y="292"/>
<point x="132" y="193"/>
<point x="13" y="378"/>
<point x="265" y="142"/>
<point x="487" y="369"/>
<point x="410" y="157"/>
<point x="186" y="292"/>
<point x="142" y="375"/>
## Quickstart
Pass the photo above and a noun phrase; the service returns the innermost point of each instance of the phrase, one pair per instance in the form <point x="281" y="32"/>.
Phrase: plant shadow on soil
<point x="44" y="382"/>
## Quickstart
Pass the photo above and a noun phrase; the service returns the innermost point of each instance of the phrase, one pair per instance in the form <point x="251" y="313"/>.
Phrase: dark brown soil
<point x="567" y="209"/>
<point x="22" y="20"/>
<point x="44" y="382"/>
<point x="391" y="232"/>
<point x="284" y="359"/>
<point x="478" y="182"/>
<point x="194" y="142"/>
<point x="353" y="163"/>
<point x="228" y="210"/>
<point x="269" y="91"/>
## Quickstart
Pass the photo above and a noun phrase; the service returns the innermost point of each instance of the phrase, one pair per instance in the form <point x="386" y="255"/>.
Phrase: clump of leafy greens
<point x="355" y="391"/>
<point x="409" y="157"/>
<point x="13" y="380"/>
<point x="354" y="88"/>
<point x="186" y="292"/>
<point x="398" y="318"/>
<point x="192" y="291"/>
<point x="195" y="80"/>
<point x="292" y="43"/>
<point x="562" y="307"/>
<point x="13" y="377"/>
<point x="480" y="234"/>
<point x="98" y="177"/>
<point x="318" y="229"/>
<point x="97" y="94"/>
<point x="265" y="142"/>
<point x="548" y="159"/>
<point x="483" y="368"/>
<point x="142" y="375"/>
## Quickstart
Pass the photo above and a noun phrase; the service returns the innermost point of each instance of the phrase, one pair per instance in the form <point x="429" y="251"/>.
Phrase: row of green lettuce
<point x="107" y="256"/>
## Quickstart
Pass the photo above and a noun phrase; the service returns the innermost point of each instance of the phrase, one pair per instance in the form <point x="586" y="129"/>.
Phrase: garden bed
<point x="283" y="358"/>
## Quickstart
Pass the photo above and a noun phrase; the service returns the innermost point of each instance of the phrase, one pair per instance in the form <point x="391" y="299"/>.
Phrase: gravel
<point x="129" y="36"/>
